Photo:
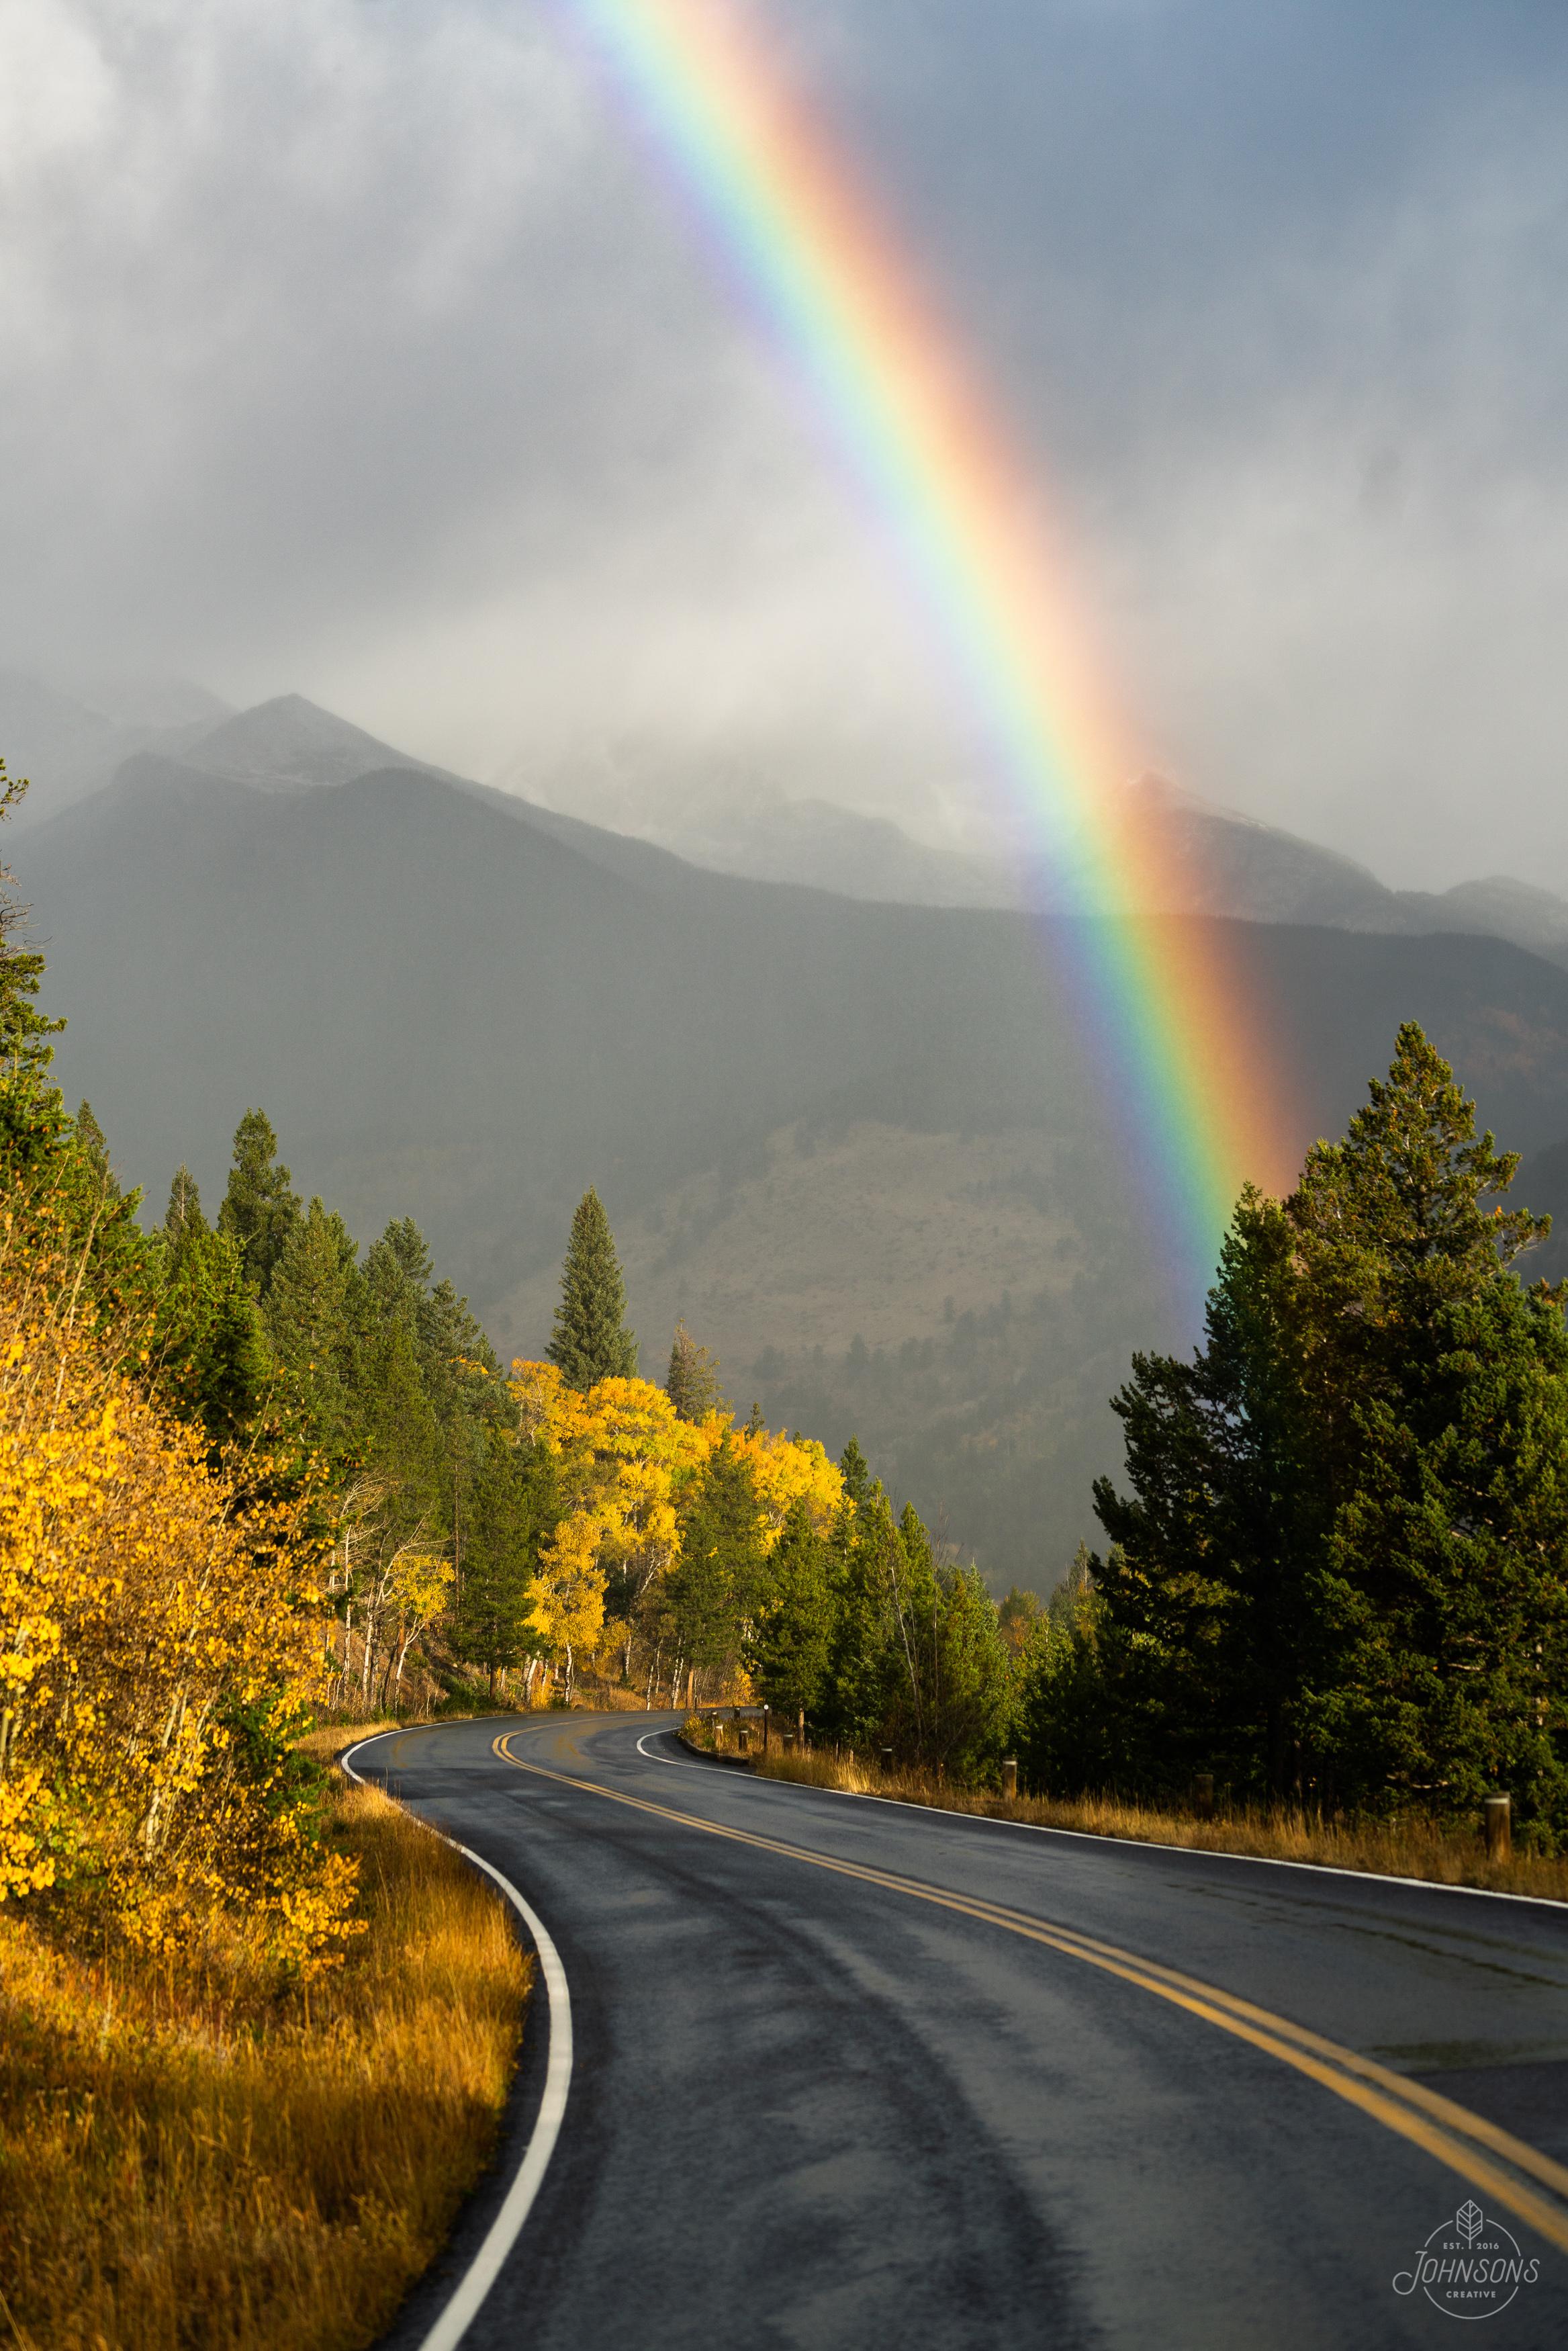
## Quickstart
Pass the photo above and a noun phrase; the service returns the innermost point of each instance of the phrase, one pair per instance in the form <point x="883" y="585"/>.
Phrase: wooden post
<point x="887" y="1758"/>
<point x="1009" y="1779"/>
<point x="766" y="1719"/>
<point x="1499" y="1811"/>
<point x="743" y="1739"/>
<point x="1203" y="1794"/>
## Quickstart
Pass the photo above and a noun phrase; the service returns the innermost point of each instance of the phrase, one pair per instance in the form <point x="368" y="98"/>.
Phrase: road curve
<point x="851" y="2075"/>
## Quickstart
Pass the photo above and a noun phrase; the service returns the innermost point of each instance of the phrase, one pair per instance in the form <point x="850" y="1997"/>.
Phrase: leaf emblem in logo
<point x="1469" y="2221"/>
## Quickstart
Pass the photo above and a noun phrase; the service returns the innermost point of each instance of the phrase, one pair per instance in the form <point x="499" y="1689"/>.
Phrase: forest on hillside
<point x="1336" y="1576"/>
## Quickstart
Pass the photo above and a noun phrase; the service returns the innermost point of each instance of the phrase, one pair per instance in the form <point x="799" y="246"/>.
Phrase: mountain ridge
<point x="460" y="1009"/>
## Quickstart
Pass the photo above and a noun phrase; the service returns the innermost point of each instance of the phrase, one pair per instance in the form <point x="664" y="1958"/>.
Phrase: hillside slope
<point x="467" y="1011"/>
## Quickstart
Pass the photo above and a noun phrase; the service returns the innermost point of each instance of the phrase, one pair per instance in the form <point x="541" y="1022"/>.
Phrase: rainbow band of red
<point x="1167" y="1020"/>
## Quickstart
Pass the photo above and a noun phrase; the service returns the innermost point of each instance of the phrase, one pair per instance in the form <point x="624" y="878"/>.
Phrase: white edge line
<point x="670" y="1762"/>
<point x="503" y="2232"/>
<point x="1148" y="1844"/>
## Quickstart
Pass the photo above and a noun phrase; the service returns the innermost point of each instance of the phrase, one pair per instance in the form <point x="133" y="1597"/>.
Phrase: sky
<point x="364" y="349"/>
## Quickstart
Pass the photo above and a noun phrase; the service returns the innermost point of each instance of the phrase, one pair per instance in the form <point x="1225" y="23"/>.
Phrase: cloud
<point x="363" y="348"/>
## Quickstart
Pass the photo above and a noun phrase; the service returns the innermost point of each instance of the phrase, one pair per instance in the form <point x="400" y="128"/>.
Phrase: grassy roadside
<point x="203" y="2157"/>
<point x="1417" y="1849"/>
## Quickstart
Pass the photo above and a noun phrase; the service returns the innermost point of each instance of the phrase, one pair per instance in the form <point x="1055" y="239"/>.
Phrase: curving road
<point x="850" y="2074"/>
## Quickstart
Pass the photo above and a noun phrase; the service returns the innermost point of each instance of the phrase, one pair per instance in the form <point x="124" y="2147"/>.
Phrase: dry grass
<point x="327" y="1745"/>
<point x="201" y="2159"/>
<point x="1418" y="1849"/>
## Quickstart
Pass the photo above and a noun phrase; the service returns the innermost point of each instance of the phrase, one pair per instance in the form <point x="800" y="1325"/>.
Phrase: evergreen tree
<point x="94" y="1146"/>
<point x="713" y="1591"/>
<point x="182" y="1217"/>
<point x="1443" y="1589"/>
<point x="855" y="1471"/>
<point x="1213" y="1624"/>
<point x="788" y="1654"/>
<point x="402" y="1441"/>
<point x="209" y="1346"/>
<point x="1339" y="1572"/>
<point x="589" y="1342"/>
<point x="691" y="1382"/>
<point x="1386" y="1228"/>
<point x="260" y="1209"/>
<point x="311" y="1311"/>
<point x="25" y="1052"/>
<point x="500" y="1554"/>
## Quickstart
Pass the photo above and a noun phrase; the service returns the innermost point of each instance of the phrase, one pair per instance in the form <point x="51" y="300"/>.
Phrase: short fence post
<point x="766" y="1719"/>
<point x="743" y="1739"/>
<point x="1203" y="1794"/>
<point x="1009" y="1779"/>
<point x="1499" y="1811"/>
<point x="887" y="1758"/>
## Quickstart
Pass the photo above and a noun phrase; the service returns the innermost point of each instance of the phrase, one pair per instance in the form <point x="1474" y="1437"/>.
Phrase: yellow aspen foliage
<point x="623" y="1459"/>
<point x="569" y="1592"/>
<point x="157" y="1656"/>
<point x="786" y="1470"/>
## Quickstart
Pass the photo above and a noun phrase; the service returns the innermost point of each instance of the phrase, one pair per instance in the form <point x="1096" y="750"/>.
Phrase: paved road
<point x="921" y="2082"/>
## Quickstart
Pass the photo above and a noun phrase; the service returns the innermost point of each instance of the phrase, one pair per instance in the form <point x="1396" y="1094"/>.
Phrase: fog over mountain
<point x="856" y="1143"/>
<point x="371" y="351"/>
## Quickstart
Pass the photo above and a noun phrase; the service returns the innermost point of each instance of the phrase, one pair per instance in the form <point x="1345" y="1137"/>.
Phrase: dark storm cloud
<point x="359" y="349"/>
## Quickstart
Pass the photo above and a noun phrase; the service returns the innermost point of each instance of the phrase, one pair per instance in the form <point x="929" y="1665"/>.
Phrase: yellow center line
<point x="1449" y="2133"/>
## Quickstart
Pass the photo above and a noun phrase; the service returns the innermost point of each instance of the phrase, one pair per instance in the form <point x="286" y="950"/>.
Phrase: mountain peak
<point x="290" y="741"/>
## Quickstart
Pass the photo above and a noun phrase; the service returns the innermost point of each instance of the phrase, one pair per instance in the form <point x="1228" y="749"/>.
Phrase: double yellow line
<point x="1490" y="2161"/>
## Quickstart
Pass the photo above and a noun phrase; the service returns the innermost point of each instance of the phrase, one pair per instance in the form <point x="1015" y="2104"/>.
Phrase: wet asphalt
<point x="811" y="2113"/>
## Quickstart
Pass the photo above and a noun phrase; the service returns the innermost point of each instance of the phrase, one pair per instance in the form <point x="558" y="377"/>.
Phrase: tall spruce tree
<point x="260" y="1207"/>
<point x="589" y="1342"/>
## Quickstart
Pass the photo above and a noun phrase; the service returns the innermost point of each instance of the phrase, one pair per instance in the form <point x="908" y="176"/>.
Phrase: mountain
<point x="1209" y="860"/>
<point x="69" y="744"/>
<point x="857" y="1143"/>
<point x="289" y="742"/>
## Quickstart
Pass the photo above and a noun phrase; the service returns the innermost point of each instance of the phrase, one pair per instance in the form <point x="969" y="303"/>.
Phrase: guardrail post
<point x="887" y="1758"/>
<point x="1009" y="1779"/>
<point x="1499" y="1811"/>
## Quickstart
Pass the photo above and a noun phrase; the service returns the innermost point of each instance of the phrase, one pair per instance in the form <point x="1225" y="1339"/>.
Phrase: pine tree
<point x="691" y="1382"/>
<point x="311" y="1309"/>
<point x="402" y="1441"/>
<point x="714" y="1588"/>
<point x="25" y="1052"/>
<point x="94" y="1145"/>
<point x="1338" y="1574"/>
<point x="589" y="1342"/>
<point x="260" y="1208"/>
<point x="788" y="1654"/>
<point x="209" y="1346"/>
<point x="1444" y="1586"/>
<point x="183" y="1214"/>
<point x="499" y="1555"/>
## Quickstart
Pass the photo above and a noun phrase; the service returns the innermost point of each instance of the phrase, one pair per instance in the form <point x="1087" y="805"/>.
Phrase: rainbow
<point x="1164" y="1011"/>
